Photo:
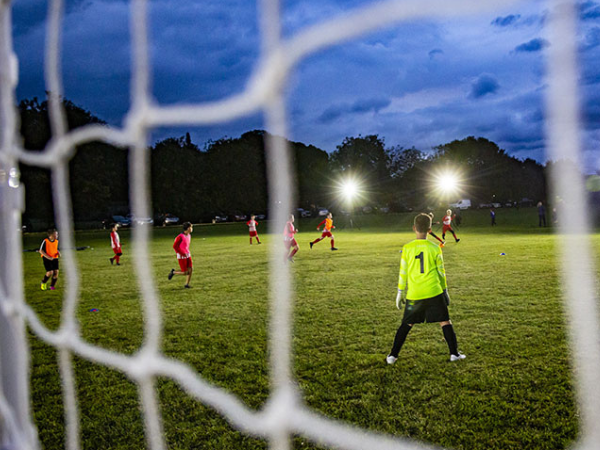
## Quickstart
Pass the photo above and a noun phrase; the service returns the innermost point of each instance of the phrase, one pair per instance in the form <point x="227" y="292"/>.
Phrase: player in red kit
<point x="431" y="233"/>
<point x="289" y="238"/>
<point x="252" y="229"/>
<point x="115" y="243"/>
<point x="327" y="227"/>
<point x="184" y="258"/>
<point x="447" y="225"/>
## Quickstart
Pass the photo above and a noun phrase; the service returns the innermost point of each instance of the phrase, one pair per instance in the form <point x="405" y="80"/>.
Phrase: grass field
<point x="514" y="390"/>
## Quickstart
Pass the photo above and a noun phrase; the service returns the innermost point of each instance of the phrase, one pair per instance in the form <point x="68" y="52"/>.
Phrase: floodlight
<point x="349" y="189"/>
<point x="448" y="183"/>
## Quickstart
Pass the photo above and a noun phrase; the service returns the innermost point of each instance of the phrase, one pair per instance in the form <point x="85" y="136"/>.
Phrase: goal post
<point x="284" y="415"/>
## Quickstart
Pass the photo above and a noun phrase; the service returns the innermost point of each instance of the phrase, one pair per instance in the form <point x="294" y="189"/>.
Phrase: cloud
<point x="360" y="106"/>
<point x="592" y="39"/>
<point x="506" y="21"/>
<point x="485" y="84"/>
<point x="371" y="104"/>
<point x="435" y="52"/>
<point x="532" y="46"/>
<point x="589" y="11"/>
<point x="389" y="83"/>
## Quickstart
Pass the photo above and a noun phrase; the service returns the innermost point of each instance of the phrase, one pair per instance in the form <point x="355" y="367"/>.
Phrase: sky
<point x="420" y="83"/>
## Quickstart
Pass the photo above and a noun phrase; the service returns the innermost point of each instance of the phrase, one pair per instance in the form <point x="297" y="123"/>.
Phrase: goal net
<point x="285" y="415"/>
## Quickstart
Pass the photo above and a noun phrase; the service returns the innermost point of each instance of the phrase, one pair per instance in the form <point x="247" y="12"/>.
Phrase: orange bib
<point x="51" y="248"/>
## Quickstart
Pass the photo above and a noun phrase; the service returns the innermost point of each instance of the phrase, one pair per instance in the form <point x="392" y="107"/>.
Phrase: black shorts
<point x="50" y="264"/>
<point x="428" y="310"/>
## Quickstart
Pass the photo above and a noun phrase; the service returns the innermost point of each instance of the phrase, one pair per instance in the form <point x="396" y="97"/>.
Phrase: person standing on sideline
<point x="493" y="215"/>
<point x="541" y="214"/>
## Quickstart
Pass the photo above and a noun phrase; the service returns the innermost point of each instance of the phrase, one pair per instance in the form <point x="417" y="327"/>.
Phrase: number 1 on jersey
<point x="420" y="258"/>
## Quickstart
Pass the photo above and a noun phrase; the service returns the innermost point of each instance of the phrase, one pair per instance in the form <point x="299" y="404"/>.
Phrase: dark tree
<point x="98" y="172"/>
<point x="180" y="185"/>
<point x="366" y="159"/>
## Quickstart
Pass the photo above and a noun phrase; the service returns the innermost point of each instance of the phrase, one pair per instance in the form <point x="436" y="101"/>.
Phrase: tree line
<point x="228" y="176"/>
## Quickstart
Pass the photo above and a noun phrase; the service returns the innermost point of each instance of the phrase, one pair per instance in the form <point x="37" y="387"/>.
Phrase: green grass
<point x="514" y="390"/>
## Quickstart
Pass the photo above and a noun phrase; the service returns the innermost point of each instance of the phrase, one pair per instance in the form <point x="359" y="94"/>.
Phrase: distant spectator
<point x="458" y="217"/>
<point x="541" y="214"/>
<point x="554" y="216"/>
<point x="493" y="216"/>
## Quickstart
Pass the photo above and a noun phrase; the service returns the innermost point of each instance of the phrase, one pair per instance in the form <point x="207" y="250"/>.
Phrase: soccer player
<point x="115" y="243"/>
<point x="447" y="226"/>
<point x="431" y="233"/>
<point x="50" y="254"/>
<point x="182" y="249"/>
<point x="422" y="282"/>
<point x="252" y="223"/>
<point x="327" y="227"/>
<point x="289" y="238"/>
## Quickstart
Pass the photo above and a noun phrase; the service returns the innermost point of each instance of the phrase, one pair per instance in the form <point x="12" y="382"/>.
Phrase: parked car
<point x="260" y="217"/>
<point x="496" y="205"/>
<point x="384" y="210"/>
<point x="219" y="219"/>
<point x="140" y="220"/>
<point x="122" y="221"/>
<point x="239" y="217"/>
<point x="366" y="210"/>
<point x="463" y="203"/>
<point x="485" y="205"/>
<point x="170" y="219"/>
<point x="322" y="211"/>
<point x="306" y="213"/>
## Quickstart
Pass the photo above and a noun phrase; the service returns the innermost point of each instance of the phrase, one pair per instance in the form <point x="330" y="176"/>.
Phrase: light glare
<point x="448" y="183"/>
<point x="349" y="189"/>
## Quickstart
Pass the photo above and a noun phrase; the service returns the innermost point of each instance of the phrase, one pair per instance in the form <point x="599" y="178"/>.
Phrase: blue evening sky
<point x="420" y="83"/>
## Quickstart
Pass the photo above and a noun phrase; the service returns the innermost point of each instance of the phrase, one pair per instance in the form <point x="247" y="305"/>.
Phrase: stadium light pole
<point x="349" y="190"/>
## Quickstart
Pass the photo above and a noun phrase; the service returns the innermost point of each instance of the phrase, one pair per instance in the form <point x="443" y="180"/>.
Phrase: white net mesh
<point x="285" y="414"/>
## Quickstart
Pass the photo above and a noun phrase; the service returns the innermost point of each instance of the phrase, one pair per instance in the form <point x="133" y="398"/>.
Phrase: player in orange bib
<point x="327" y="227"/>
<point x="50" y="254"/>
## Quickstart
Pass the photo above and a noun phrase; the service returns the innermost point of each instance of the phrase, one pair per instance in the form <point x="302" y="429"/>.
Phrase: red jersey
<point x="447" y="220"/>
<point x="182" y="245"/>
<point x="115" y="242"/>
<point x="252" y="225"/>
<point x="289" y="231"/>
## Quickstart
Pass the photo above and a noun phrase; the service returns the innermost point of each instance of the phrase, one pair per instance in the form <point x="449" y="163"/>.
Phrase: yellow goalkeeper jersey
<point x="422" y="273"/>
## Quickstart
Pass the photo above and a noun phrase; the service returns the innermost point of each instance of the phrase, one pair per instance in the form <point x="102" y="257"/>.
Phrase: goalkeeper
<point x="423" y="282"/>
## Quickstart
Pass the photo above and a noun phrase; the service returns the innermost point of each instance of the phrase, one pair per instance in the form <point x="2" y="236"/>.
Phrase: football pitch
<point x="514" y="390"/>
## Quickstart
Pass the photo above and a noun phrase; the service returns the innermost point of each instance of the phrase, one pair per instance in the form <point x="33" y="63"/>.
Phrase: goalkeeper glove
<point x="399" y="298"/>
<point x="446" y="297"/>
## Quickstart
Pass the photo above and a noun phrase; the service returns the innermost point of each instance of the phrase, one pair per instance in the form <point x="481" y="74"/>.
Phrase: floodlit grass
<point x="514" y="390"/>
